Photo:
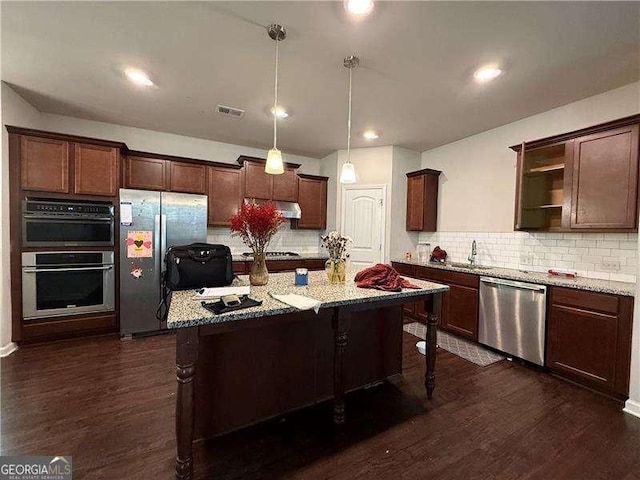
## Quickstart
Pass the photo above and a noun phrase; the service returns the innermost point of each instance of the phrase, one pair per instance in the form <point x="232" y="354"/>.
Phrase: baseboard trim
<point x="8" y="349"/>
<point x="631" y="407"/>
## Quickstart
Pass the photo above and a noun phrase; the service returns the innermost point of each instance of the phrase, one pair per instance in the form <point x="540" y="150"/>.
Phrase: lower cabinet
<point x="589" y="338"/>
<point x="459" y="313"/>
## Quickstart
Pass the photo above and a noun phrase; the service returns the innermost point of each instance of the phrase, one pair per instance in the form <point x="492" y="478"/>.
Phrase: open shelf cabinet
<point x="542" y="186"/>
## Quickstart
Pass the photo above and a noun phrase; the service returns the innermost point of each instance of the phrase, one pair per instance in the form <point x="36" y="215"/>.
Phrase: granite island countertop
<point x="185" y="311"/>
<point x="580" y="283"/>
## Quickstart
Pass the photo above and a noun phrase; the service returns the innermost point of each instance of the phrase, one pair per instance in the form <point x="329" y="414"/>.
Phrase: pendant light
<point x="348" y="174"/>
<point x="274" y="165"/>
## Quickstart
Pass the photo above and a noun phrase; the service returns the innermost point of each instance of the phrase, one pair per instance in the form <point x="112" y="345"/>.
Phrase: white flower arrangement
<point x="336" y="244"/>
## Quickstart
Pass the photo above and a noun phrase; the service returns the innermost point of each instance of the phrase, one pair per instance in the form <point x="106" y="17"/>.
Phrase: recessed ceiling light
<point x="358" y="7"/>
<point x="138" y="77"/>
<point x="371" y="135"/>
<point x="279" y="111"/>
<point x="487" y="73"/>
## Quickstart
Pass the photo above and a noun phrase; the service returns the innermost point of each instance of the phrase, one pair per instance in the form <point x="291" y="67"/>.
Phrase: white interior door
<point x="363" y="220"/>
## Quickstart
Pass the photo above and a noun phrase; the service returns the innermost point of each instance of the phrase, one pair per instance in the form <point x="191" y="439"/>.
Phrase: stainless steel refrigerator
<point x="150" y="223"/>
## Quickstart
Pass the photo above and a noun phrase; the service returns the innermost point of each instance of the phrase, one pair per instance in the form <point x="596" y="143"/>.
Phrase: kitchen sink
<point x="468" y="266"/>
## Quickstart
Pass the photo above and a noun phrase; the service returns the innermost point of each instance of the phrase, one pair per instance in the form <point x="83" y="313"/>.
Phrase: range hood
<point x="288" y="209"/>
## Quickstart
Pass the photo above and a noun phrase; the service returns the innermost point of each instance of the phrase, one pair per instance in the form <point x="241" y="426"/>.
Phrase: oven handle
<point x="70" y="269"/>
<point x="67" y="218"/>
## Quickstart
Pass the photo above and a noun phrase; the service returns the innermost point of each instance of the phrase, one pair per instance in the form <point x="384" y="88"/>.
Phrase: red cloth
<point x="382" y="277"/>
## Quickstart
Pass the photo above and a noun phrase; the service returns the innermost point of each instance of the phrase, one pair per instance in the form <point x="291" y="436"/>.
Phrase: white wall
<point x="166" y="143"/>
<point x="373" y="167"/>
<point x="404" y="161"/>
<point x="329" y="168"/>
<point x="477" y="187"/>
<point x="14" y="111"/>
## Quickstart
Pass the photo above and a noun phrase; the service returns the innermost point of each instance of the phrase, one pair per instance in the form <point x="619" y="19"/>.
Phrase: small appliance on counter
<point x="423" y="250"/>
<point x="438" y="255"/>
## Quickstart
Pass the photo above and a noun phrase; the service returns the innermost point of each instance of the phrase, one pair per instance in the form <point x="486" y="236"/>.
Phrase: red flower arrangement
<point x="256" y="224"/>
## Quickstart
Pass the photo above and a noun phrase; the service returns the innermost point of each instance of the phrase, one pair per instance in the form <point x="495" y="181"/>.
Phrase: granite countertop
<point x="302" y="256"/>
<point x="184" y="311"/>
<point x="579" y="283"/>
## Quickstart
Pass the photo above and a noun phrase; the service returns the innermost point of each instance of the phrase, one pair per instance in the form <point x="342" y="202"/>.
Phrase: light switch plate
<point x="526" y="258"/>
<point x="610" y="265"/>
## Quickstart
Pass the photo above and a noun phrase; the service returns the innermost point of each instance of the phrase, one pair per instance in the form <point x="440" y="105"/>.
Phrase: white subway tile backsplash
<point x="582" y="252"/>
<point x="298" y="241"/>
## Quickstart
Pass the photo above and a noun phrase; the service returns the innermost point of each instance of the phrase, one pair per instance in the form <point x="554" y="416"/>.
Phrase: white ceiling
<point x="414" y="83"/>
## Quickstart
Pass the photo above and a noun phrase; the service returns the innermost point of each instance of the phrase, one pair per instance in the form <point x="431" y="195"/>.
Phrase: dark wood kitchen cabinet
<point x="604" y="190"/>
<point x="96" y="170"/>
<point x="459" y="305"/>
<point x="257" y="183"/>
<point x="285" y="186"/>
<point x="312" y="198"/>
<point x="44" y="164"/>
<point x="146" y="173"/>
<point x="224" y="194"/>
<point x="585" y="180"/>
<point x="422" y="200"/>
<point x="263" y="186"/>
<point x="188" y="177"/>
<point x="589" y="338"/>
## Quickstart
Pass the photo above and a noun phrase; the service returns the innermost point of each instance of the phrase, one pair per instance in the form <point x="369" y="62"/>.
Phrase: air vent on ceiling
<point x="230" y="111"/>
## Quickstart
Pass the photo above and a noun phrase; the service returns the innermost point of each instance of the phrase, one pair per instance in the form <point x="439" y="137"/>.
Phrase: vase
<point x="259" y="275"/>
<point x="336" y="269"/>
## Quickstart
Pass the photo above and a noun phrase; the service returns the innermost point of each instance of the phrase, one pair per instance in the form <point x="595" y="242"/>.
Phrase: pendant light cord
<point x="275" y="102"/>
<point x="349" y="120"/>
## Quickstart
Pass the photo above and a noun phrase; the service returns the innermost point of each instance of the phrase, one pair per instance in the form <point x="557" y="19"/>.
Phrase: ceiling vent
<point x="229" y="111"/>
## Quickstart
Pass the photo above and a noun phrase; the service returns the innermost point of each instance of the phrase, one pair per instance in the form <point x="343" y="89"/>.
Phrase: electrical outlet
<point x="610" y="266"/>
<point x="526" y="258"/>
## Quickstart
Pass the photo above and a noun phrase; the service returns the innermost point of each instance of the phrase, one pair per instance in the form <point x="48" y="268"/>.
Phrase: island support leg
<point x="340" y="323"/>
<point x="186" y="356"/>
<point x="434" y="306"/>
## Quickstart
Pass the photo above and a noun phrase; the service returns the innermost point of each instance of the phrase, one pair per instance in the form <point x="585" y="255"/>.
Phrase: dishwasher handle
<point x="513" y="284"/>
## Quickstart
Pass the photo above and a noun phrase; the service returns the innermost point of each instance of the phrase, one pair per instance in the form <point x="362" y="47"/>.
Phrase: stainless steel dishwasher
<point x="513" y="317"/>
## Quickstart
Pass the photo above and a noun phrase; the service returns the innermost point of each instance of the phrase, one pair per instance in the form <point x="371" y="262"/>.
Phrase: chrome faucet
<point x="474" y="252"/>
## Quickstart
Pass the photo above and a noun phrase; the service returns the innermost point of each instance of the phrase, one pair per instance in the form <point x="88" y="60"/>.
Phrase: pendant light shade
<point x="275" y="165"/>
<point x="348" y="174"/>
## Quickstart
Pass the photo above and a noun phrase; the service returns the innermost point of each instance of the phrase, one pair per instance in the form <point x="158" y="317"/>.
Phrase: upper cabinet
<point x="312" y="197"/>
<point x="96" y="170"/>
<point x="44" y="164"/>
<point x="581" y="181"/>
<point x="165" y="173"/>
<point x="257" y="183"/>
<point x="285" y="186"/>
<point x="263" y="186"/>
<point x="146" y="173"/>
<point x="604" y="190"/>
<point x="422" y="200"/>
<point x="188" y="177"/>
<point x="225" y="194"/>
<point x="49" y="164"/>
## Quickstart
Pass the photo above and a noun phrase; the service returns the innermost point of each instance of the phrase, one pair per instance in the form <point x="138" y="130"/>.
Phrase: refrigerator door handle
<point x="157" y="247"/>
<point x="163" y="240"/>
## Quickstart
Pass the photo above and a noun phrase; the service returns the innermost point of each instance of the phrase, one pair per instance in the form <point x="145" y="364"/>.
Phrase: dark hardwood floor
<point x="110" y="405"/>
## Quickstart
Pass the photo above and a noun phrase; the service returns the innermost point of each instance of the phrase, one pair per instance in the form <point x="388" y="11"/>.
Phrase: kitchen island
<point x="243" y="367"/>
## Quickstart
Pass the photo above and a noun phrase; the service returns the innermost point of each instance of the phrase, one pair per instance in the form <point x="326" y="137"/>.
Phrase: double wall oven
<point x="72" y="281"/>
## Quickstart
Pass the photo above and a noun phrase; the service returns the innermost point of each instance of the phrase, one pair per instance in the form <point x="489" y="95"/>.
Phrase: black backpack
<point x="199" y="265"/>
<point x="188" y="267"/>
